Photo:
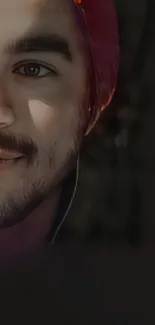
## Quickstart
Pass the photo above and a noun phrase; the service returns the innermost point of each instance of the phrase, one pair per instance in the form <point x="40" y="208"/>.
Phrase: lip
<point x="9" y="155"/>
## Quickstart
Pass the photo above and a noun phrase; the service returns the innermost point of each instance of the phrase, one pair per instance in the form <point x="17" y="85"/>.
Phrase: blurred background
<point x="117" y="157"/>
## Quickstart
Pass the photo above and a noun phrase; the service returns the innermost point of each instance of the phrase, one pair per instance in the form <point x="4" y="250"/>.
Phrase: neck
<point x="30" y="234"/>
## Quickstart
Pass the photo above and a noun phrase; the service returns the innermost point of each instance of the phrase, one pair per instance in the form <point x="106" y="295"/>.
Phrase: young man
<point x="58" y="68"/>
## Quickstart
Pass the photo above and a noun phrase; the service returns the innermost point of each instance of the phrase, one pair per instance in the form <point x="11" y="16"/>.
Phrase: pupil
<point x="31" y="70"/>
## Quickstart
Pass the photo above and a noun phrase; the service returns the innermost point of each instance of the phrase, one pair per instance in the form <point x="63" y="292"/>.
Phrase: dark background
<point x="118" y="154"/>
<point x="108" y="277"/>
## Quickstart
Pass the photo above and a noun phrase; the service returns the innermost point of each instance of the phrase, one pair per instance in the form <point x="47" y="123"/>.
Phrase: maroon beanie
<point x="101" y="24"/>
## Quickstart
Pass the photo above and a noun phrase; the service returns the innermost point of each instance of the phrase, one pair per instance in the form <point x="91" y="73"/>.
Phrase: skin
<point x="43" y="110"/>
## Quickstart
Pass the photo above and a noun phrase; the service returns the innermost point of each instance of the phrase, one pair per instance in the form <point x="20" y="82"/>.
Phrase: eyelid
<point x="41" y="63"/>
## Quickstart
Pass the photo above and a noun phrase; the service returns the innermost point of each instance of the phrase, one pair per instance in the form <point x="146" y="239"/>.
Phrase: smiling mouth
<point x="8" y="157"/>
<point x="9" y="161"/>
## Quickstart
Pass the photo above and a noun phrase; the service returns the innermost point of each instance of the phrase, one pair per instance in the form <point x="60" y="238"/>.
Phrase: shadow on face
<point x="43" y="86"/>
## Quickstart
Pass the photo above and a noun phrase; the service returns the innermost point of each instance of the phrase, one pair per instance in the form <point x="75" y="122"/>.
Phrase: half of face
<point x="43" y="89"/>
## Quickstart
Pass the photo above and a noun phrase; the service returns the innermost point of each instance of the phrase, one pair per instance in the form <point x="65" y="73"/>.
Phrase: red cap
<point x="101" y="22"/>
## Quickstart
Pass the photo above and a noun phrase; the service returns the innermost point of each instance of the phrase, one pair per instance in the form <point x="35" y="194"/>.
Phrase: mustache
<point x="20" y="144"/>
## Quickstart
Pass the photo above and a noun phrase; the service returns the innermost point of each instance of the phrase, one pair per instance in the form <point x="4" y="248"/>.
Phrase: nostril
<point x="6" y="117"/>
<point x="2" y="125"/>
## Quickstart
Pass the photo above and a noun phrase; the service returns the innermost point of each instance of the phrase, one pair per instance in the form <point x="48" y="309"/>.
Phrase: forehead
<point x="18" y="17"/>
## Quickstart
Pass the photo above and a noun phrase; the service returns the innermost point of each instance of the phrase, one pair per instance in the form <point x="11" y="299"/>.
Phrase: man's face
<point x="42" y="85"/>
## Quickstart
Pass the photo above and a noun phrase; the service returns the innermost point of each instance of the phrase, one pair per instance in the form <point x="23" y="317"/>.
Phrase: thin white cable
<point x="71" y="201"/>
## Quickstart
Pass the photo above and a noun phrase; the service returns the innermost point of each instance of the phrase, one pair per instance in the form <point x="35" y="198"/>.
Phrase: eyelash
<point x="37" y="64"/>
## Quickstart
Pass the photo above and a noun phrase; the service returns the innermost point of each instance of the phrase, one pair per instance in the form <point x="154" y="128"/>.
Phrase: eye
<point x="33" y="70"/>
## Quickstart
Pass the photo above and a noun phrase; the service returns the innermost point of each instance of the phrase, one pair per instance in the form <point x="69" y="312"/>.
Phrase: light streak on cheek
<point x="41" y="113"/>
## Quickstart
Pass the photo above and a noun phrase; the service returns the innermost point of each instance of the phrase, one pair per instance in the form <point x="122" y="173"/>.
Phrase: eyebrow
<point x="41" y="43"/>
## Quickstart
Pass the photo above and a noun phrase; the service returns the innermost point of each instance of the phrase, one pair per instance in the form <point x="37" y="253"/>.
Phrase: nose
<point x="6" y="114"/>
<point x="6" y="117"/>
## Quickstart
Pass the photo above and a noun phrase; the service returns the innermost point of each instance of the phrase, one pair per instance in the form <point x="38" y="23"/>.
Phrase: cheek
<point x="54" y="108"/>
<point x="41" y="113"/>
<point x="56" y="122"/>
